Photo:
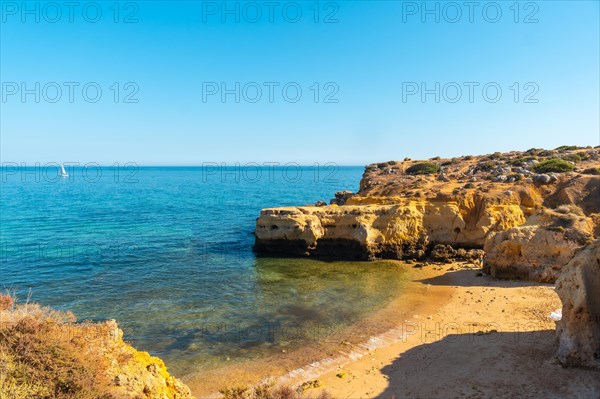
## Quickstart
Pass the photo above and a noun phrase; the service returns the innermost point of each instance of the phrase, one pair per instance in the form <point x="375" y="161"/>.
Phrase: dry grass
<point x="45" y="354"/>
<point x="42" y="357"/>
<point x="269" y="391"/>
<point x="6" y="302"/>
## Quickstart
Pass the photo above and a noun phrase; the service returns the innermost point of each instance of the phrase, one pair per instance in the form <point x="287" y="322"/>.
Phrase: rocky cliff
<point x="579" y="290"/>
<point x="531" y="211"/>
<point x="399" y="230"/>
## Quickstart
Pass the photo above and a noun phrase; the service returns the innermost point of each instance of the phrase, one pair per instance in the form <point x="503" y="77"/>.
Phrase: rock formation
<point x="540" y="248"/>
<point x="536" y="215"/>
<point x="579" y="290"/>
<point x="530" y="210"/>
<point x="404" y="229"/>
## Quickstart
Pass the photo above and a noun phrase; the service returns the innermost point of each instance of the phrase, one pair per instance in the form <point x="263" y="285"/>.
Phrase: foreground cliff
<point x="531" y="211"/>
<point x="45" y="354"/>
<point x="579" y="328"/>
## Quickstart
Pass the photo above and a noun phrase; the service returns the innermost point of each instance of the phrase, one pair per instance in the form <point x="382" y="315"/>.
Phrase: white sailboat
<point x="63" y="172"/>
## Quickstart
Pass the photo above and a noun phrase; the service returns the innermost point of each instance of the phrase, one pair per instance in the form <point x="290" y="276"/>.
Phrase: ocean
<point x="167" y="252"/>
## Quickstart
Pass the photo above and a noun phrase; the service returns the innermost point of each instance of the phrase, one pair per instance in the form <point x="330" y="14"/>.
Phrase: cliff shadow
<point x="474" y="278"/>
<point x="497" y="364"/>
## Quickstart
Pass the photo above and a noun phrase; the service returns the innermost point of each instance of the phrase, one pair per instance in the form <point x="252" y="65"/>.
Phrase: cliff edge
<point x="530" y="211"/>
<point x="45" y="354"/>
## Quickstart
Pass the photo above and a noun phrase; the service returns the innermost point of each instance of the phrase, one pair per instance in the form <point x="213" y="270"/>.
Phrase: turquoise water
<point x="167" y="252"/>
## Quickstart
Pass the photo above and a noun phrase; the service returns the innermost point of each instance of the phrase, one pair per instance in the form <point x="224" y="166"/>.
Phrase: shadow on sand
<point x="466" y="278"/>
<point x="493" y="365"/>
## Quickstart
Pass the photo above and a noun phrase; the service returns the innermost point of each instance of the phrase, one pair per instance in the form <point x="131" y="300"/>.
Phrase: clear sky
<point x="361" y="66"/>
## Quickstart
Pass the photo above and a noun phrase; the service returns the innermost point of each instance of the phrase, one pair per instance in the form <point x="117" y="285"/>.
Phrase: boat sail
<point x="63" y="172"/>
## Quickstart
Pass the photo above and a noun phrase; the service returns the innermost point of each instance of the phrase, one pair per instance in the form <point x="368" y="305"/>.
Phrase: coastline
<point x="331" y="349"/>
<point x="499" y="332"/>
<point x="529" y="219"/>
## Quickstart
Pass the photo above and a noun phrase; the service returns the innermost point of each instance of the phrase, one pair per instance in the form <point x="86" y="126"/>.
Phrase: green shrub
<point x="425" y="168"/>
<point x="546" y="153"/>
<point x="553" y="165"/>
<point x="486" y="166"/>
<point x="521" y="160"/>
<point x="577" y="157"/>
<point x="392" y="163"/>
<point x="565" y="148"/>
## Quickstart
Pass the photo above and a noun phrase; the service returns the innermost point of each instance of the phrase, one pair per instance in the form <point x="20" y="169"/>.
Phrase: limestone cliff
<point x="579" y="290"/>
<point x="403" y="229"/>
<point x="45" y="354"/>
<point x="539" y="249"/>
<point x="530" y="210"/>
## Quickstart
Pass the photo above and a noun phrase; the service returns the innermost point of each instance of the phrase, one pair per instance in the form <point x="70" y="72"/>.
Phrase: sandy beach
<point x="487" y="338"/>
<point x="453" y="332"/>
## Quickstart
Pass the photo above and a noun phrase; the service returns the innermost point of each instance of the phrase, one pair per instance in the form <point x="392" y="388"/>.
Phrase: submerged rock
<point x="579" y="328"/>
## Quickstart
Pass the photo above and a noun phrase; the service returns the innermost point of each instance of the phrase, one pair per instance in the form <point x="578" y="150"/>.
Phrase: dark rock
<point x="341" y="197"/>
<point x="443" y="252"/>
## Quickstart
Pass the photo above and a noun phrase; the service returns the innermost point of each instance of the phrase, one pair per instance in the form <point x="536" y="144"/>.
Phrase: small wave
<point x="320" y="367"/>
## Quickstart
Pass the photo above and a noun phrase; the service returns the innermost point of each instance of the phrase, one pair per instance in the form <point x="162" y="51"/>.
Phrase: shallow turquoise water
<point x="167" y="252"/>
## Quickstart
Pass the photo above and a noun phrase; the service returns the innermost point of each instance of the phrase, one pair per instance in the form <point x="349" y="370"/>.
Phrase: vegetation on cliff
<point x="45" y="354"/>
<point x="554" y="165"/>
<point x="425" y="168"/>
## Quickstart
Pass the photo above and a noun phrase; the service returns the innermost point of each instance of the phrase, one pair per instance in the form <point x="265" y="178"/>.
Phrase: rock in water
<point x="341" y="197"/>
<point x="579" y="290"/>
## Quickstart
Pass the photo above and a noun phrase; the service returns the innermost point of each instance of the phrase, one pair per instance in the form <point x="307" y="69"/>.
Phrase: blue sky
<point x="364" y="57"/>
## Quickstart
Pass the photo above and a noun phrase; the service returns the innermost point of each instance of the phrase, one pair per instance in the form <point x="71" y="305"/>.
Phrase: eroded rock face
<point x="530" y="220"/>
<point x="579" y="290"/>
<point x="142" y="374"/>
<point x="528" y="253"/>
<point x="368" y="231"/>
<point x="582" y="191"/>
<point x="538" y="250"/>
